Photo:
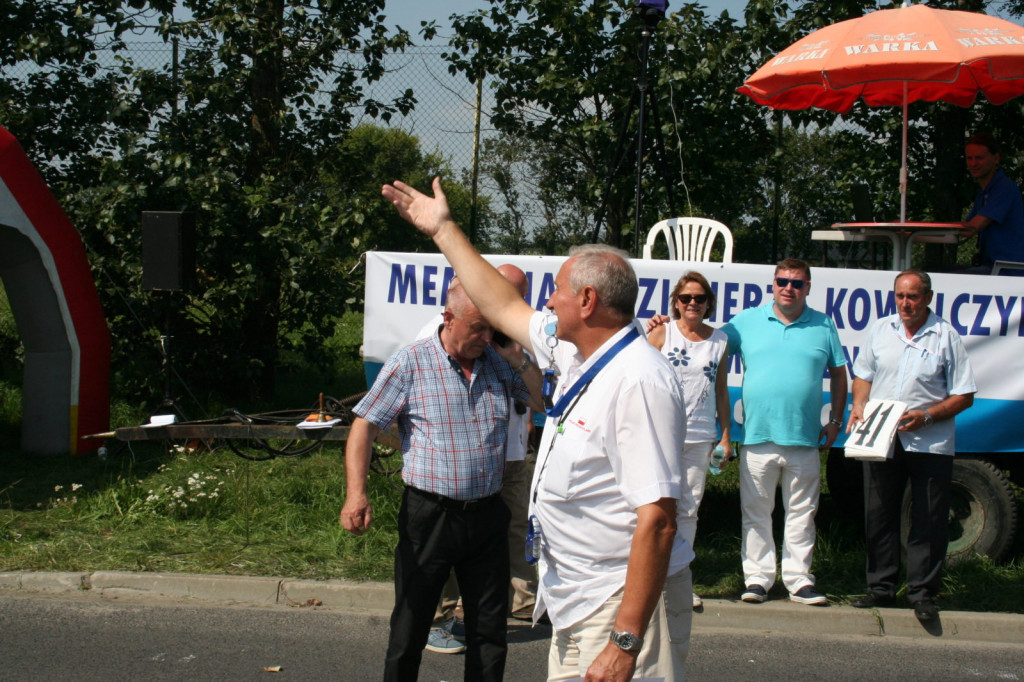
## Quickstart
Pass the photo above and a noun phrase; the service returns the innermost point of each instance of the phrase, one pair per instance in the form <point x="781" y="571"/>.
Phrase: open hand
<point x="428" y="214"/>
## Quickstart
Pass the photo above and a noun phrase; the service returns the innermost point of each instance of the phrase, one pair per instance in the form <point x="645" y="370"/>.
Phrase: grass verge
<point x="153" y="508"/>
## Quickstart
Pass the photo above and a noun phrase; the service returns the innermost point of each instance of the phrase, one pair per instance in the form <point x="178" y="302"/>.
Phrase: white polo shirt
<point x="921" y="372"/>
<point x="620" y="447"/>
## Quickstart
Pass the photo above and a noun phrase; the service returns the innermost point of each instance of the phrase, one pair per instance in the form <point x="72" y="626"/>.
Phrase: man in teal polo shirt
<point x="785" y="347"/>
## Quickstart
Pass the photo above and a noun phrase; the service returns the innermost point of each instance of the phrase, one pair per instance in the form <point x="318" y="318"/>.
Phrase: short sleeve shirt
<point x="453" y="431"/>
<point x="1000" y="201"/>
<point x="783" y="369"/>
<point x="619" y="447"/>
<point x="919" y="371"/>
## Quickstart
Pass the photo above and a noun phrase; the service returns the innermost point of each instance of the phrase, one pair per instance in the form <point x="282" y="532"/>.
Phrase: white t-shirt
<point x="620" y="448"/>
<point x="696" y="366"/>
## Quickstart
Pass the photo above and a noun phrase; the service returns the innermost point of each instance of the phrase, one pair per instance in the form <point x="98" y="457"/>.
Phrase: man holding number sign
<point x="917" y="358"/>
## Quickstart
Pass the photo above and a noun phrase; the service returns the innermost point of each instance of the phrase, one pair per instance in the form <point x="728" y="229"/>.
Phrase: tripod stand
<point x="640" y="98"/>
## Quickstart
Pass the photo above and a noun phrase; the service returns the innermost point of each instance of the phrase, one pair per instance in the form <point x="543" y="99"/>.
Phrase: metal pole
<point x="645" y="43"/>
<point x="476" y="156"/>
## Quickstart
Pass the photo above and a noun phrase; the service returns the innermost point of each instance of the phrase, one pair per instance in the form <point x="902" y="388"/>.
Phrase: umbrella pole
<point x="903" y="161"/>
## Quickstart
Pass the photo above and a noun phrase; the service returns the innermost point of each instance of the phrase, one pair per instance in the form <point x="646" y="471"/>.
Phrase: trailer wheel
<point x="982" y="511"/>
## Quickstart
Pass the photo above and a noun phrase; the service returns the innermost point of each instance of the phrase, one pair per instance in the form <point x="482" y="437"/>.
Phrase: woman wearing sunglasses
<point x="699" y="355"/>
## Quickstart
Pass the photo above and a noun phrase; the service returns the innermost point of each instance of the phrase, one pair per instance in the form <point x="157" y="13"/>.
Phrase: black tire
<point x="982" y="511"/>
<point x="845" y="478"/>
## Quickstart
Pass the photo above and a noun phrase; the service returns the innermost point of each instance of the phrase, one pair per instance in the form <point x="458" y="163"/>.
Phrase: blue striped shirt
<point x="453" y="431"/>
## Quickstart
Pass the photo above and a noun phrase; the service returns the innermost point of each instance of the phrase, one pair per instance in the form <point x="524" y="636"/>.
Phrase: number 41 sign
<point x="873" y="437"/>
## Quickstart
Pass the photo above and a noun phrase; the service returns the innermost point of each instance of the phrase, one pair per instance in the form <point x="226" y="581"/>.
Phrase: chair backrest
<point x="690" y="239"/>
<point x="1000" y="265"/>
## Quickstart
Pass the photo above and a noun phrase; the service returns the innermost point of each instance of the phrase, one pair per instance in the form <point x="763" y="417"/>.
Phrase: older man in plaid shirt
<point x="450" y="395"/>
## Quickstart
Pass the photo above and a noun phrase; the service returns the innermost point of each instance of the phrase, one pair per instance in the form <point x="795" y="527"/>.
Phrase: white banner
<point x="403" y="290"/>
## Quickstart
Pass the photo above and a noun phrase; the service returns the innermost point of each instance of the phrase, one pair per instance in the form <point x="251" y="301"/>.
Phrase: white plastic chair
<point x="1001" y="265"/>
<point x="690" y="239"/>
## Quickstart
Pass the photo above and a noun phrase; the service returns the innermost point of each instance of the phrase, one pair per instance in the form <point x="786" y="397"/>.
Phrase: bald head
<point x="516" y="277"/>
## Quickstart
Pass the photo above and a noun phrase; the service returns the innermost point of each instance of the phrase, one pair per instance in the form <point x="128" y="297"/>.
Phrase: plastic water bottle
<point x="717" y="457"/>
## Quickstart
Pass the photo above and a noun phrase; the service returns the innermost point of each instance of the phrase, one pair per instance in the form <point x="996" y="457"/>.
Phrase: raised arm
<point x="497" y="299"/>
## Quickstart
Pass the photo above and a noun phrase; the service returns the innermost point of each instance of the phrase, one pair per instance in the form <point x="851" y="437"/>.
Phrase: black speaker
<point x="168" y="250"/>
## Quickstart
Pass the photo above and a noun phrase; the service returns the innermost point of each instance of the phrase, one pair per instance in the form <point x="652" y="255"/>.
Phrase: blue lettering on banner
<point x="978" y="329"/>
<point x="859" y="299"/>
<point x="886" y="307"/>
<point x="714" y="290"/>
<point x="954" y="313"/>
<point x="647" y="285"/>
<point x="429" y="272"/>
<point x="729" y="304"/>
<point x="1004" y="308"/>
<point x="666" y="290"/>
<point x="547" y="287"/>
<point x="449" y="275"/>
<point x="406" y="286"/>
<point x="858" y="311"/>
<point x="851" y="353"/>
<point x="752" y="295"/>
<point x="937" y="304"/>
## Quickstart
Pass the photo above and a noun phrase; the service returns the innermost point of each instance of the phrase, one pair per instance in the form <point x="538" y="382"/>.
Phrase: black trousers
<point x="884" y="483"/>
<point x="435" y="537"/>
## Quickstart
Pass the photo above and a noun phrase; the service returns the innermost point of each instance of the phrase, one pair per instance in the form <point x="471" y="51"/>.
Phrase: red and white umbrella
<point x="893" y="57"/>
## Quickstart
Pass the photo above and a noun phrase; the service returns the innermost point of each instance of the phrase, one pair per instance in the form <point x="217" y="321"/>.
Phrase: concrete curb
<point x="774" y="616"/>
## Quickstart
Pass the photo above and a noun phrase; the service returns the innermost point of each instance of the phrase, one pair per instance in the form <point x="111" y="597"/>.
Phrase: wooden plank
<point x="187" y="430"/>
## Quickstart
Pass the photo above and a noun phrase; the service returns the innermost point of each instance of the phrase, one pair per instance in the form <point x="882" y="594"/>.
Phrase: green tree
<point x="243" y="133"/>
<point x="564" y="76"/>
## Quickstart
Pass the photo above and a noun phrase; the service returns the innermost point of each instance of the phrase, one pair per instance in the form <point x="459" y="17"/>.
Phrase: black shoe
<point x="925" y="610"/>
<point x="754" y="594"/>
<point x="872" y="600"/>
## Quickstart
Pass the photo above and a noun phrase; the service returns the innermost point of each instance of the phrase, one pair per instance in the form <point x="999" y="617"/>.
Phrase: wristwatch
<point x="626" y="641"/>
<point x="928" y="419"/>
<point x="837" y="422"/>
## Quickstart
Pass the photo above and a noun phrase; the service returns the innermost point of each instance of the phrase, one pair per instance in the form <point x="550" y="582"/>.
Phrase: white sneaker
<point x="697" y="601"/>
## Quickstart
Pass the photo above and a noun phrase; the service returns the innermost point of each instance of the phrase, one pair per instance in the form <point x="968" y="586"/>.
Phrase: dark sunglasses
<point x="783" y="282"/>
<point x="686" y="298"/>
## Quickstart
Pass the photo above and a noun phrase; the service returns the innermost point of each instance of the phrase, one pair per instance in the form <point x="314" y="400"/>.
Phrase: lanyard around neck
<point x="589" y="375"/>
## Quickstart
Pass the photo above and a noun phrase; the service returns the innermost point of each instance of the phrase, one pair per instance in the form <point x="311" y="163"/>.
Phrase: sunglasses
<point x="686" y="298"/>
<point x="783" y="282"/>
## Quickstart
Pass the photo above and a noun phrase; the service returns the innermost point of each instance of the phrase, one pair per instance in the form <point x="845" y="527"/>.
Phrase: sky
<point x="409" y="13"/>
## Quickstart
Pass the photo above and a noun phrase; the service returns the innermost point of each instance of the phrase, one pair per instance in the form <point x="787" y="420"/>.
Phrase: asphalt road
<point x="85" y="637"/>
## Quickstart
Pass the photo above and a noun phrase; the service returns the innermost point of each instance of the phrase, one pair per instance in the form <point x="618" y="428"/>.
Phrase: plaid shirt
<point x="453" y="431"/>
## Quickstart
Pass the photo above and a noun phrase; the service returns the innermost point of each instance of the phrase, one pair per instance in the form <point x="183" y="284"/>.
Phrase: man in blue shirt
<point x="997" y="216"/>
<point x="786" y="347"/>
<point x="917" y="358"/>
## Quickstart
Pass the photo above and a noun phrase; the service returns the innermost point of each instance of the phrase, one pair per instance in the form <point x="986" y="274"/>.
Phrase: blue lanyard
<point x="589" y="375"/>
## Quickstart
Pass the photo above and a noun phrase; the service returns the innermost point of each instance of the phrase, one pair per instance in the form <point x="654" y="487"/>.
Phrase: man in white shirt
<point x="917" y="358"/>
<point x="608" y="485"/>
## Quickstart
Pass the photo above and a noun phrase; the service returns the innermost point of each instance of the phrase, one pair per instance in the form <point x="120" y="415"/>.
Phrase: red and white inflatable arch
<point x="57" y="311"/>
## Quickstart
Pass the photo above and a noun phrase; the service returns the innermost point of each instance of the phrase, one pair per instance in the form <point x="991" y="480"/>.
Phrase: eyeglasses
<point x="686" y="298"/>
<point x="783" y="282"/>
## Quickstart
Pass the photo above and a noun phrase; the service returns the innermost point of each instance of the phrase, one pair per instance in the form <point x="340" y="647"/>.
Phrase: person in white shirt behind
<point x="614" y="568"/>
<point x="917" y="358"/>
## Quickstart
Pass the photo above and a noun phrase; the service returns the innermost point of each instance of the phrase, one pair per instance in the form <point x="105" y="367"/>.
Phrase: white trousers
<point x="797" y="471"/>
<point x="666" y="642"/>
<point x="695" y="466"/>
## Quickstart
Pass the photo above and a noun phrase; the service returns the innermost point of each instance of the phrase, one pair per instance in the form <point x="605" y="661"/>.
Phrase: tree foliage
<point x="563" y="74"/>
<point x="250" y="131"/>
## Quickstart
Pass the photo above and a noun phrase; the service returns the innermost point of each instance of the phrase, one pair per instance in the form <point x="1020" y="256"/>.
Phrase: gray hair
<point x="607" y="270"/>
<point x="458" y="301"/>
<point x="926" y="280"/>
